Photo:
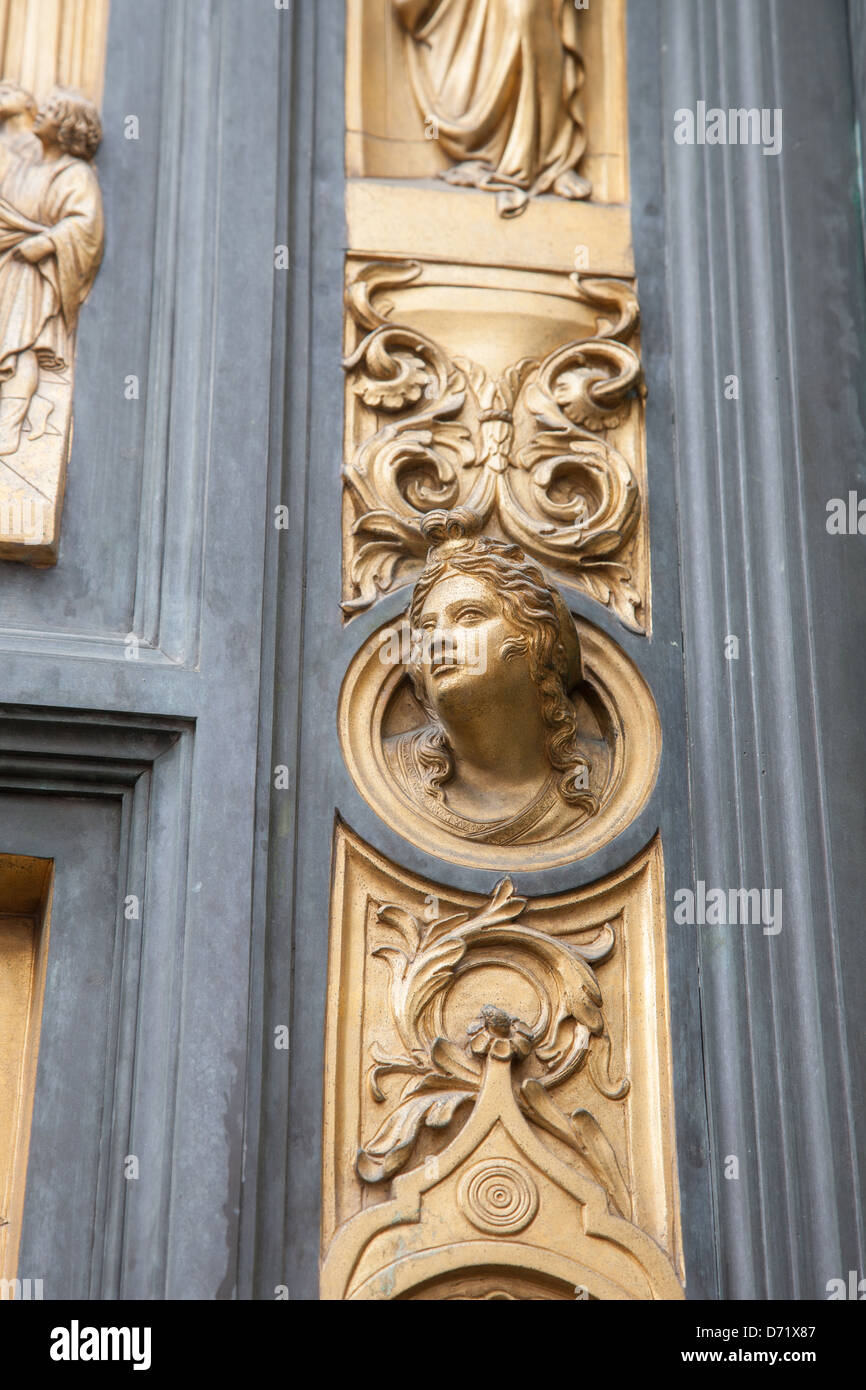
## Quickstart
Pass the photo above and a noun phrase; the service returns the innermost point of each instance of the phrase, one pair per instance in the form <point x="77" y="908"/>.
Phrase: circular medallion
<point x="498" y="1196"/>
<point x="385" y="737"/>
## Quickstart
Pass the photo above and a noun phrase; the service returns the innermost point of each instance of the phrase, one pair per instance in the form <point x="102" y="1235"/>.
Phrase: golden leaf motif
<point x="526" y="450"/>
<point x="443" y="1075"/>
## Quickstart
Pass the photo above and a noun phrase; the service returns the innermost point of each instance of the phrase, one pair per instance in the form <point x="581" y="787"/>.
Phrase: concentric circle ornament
<point x="498" y="1196"/>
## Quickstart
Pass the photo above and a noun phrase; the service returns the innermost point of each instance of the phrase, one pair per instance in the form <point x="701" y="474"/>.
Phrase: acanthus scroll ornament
<point x="498" y="1105"/>
<point x="526" y="449"/>
<point x="568" y="1034"/>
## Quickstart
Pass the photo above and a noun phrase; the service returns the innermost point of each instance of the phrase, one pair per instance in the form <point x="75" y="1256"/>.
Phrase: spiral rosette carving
<point x="528" y="450"/>
<point x="498" y="1196"/>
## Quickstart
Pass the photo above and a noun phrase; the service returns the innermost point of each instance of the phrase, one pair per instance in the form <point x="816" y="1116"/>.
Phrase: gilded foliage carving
<point x="527" y="449"/>
<point x="498" y="1096"/>
<point x="498" y="1115"/>
<point x="445" y="1074"/>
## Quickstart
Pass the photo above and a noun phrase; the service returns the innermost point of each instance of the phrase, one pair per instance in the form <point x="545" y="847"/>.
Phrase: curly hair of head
<point x="80" y="129"/>
<point x="525" y="599"/>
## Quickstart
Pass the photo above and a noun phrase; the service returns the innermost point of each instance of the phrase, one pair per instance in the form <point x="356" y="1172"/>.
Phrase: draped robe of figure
<point x="501" y="79"/>
<point x="39" y="303"/>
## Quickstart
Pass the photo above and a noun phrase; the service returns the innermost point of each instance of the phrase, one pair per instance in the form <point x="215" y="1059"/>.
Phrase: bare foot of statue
<point x="511" y="202"/>
<point x="470" y="174"/>
<point x="37" y="417"/>
<point x="571" y="184"/>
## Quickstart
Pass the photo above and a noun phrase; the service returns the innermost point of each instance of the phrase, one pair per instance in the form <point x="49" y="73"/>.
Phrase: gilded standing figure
<point x="51" y="240"/>
<point x="501" y="79"/>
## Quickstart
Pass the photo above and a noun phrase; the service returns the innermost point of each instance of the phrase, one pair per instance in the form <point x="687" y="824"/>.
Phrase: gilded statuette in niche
<point x="498" y="1115"/>
<point x="498" y="82"/>
<point x="51" y="240"/>
<point x="475" y="726"/>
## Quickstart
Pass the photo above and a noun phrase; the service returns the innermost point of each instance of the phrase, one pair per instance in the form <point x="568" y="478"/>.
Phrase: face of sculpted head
<point x="498" y="656"/>
<point x="15" y="100"/>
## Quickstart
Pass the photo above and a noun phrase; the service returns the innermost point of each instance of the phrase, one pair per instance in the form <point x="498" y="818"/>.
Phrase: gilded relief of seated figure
<point x="499" y="760"/>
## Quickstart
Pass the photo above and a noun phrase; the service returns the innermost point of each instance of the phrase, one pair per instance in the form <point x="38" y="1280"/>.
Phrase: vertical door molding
<point x="765" y="278"/>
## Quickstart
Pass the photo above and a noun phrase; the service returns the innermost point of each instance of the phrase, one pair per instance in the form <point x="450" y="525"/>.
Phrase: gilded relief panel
<point x="497" y="1090"/>
<point x="25" y="909"/>
<point x="453" y="88"/>
<point x="498" y="1103"/>
<point x="51" y="243"/>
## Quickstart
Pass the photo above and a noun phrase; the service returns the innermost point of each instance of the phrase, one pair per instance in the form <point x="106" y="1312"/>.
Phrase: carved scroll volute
<point x="479" y="1111"/>
<point x="443" y="1076"/>
<point x="51" y="240"/>
<point x="528" y="449"/>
